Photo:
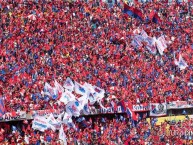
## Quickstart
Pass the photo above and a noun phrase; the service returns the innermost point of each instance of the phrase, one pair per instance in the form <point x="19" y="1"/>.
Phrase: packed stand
<point x="111" y="130"/>
<point x="42" y="41"/>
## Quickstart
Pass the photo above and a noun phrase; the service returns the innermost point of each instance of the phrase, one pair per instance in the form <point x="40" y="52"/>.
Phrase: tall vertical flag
<point x="2" y="107"/>
<point x="62" y="135"/>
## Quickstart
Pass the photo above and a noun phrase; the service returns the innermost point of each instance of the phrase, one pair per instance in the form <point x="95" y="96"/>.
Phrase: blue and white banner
<point x="158" y="109"/>
<point x="40" y="123"/>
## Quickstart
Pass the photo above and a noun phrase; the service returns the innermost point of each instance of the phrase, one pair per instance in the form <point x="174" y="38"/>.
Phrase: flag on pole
<point x="62" y="135"/>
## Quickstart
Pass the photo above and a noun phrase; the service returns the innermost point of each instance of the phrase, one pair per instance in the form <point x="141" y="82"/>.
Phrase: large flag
<point x="136" y="42"/>
<point x="138" y="14"/>
<point x="67" y="97"/>
<point x="40" y="123"/>
<point x="62" y="135"/>
<point x="181" y="63"/>
<point x="80" y="89"/>
<point x="69" y="85"/>
<point x="2" y="107"/>
<point x="50" y="91"/>
<point x="97" y="92"/>
<point x="151" y="44"/>
<point x="129" y="10"/>
<point x="73" y="108"/>
<point x="161" y="44"/>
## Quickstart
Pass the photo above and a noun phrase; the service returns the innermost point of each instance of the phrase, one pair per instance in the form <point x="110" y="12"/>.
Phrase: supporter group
<point x="79" y="56"/>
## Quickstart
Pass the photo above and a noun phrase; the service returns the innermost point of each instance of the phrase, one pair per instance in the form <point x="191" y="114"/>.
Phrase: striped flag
<point x="2" y="107"/>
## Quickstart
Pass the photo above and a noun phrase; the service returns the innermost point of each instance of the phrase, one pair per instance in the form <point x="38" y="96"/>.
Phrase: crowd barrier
<point x="154" y="109"/>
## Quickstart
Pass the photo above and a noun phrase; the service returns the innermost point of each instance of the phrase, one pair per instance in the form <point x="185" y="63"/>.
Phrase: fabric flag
<point x="123" y="107"/>
<point x="62" y="135"/>
<point x="130" y="112"/>
<point x="73" y="108"/>
<point x="99" y="93"/>
<point x="151" y="44"/>
<point x="40" y="123"/>
<point x="2" y="107"/>
<point x="66" y="118"/>
<point x="86" y="109"/>
<point x="69" y="85"/>
<point x="161" y="44"/>
<point x="52" y="123"/>
<point x="50" y="91"/>
<point x="181" y="63"/>
<point x="67" y="97"/>
<point x="70" y="124"/>
<point x="58" y="87"/>
<point x="128" y="10"/>
<point x="151" y="15"/>
<point x="138" y="14"/>
<point x="144" y="34"/>
<point x="136" y="42"/>
<point x="83" y="101"/>
<point x="80" y="89"/>
<point x="156" y="18"/>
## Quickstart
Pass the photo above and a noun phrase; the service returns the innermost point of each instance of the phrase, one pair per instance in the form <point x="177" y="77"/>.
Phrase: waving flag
<point x="58" y="87"/>
<point x="156" y="18"/>
<point x="151" y="44"/>
<point x="138" y="14"/>
<point x="80" y="89"/>
<point x="161" y="44"/>
<point x="129" y="10"/>
<point x="73" y="108"/>
<point x="181" y="63"/>
<point x="130" y="112"/>
<point x="62" y="135"/>
<point x="67" y="97"/>
<point x="69" y="85"/>
<point x="66" y="118"/>
<point x="2" y="107"/>
<point x="50" y="91"/>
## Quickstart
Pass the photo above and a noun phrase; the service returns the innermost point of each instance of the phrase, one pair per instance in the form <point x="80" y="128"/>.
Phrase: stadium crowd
<point x="112" y="130"/>
<point x="46" y="40"/>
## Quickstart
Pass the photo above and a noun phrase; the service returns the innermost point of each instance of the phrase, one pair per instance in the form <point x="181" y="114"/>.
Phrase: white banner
<point x="40" y="123"/>
<point x="141" y="108"/>
<point x="180" y="104"/>
<point x="158" y="109"/>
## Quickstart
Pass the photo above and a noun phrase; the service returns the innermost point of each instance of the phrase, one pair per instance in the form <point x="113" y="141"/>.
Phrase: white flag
<point x="73" y="108"/>
<point x="80" y="89"/>
<point x="58" y="87"/>
<point x="181" y="63"/>
<point x="67" y="97"/>
<point x="161" y="44"/>
<point x="62" y="135"/>
<point x="69" y="85"/>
